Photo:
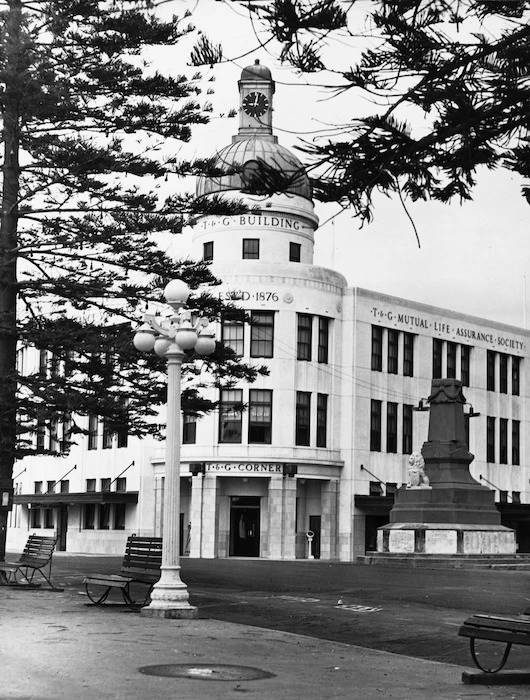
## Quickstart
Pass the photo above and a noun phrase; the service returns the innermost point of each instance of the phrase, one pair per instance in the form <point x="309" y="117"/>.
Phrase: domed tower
<point x="271" y="459"/>
<point x="269" y="178"/>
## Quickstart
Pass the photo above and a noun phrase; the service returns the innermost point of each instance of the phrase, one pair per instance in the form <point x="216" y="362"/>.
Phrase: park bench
<point x="36" y="558"/>
<point x="141" y="565"/>
<point x="508" y="630"/>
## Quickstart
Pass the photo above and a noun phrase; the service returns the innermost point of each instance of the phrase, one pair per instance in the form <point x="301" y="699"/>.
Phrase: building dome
<point x="257" y="166"/>
<point x="256" y="72"/>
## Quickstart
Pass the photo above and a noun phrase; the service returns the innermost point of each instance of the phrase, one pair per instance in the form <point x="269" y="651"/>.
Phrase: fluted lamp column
<point x="185" y="330"/>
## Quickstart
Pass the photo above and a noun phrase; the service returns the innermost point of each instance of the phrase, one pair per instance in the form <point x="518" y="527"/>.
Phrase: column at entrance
<point x="196" y="511"/>
<point x="282" y="518"/>
<point x="209" y="519"/>
<point x="329" y="521"/>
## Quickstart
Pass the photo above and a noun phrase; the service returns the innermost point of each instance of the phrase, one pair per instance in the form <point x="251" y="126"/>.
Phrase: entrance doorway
<point x="244" y="526"/>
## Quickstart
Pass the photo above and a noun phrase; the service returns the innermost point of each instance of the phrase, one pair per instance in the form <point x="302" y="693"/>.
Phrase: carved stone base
<point x="169" y="597"/>
<point x="445" y="538"/>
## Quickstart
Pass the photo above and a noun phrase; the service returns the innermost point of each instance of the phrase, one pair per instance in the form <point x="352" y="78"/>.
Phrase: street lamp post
<point x="184" y="331"/>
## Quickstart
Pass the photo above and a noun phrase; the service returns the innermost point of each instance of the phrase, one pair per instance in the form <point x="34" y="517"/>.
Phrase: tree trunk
<point x="8" y="261"/>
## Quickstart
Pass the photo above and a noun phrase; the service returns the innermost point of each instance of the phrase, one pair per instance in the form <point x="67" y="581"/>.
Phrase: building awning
<point x="49" y="500"/>
<point x="374" y="505"/>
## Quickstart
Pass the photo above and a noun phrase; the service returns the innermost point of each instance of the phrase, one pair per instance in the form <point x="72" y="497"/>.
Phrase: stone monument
<point x="443" y="509"/>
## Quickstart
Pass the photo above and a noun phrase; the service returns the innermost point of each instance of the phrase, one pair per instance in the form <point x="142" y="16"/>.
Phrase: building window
<point x="262" y="334"/>
<point x="303" y="418"/>
<point x="121" y="484"/>
<point x="250" y="248"/>
<point x="408" y="354"/>
<point x="189" y="429"/>
<point x="105" y="484"/>
<point x="294" y="252"/>
<point x="232" y="336"/>
<point x="49" y="522"/>
<point x="66" y="433"/>
<point x="53" y="439"/>
<point x="122" y="430"/>
<point x="516" y="432"/>
<point x="92" y="432"/>
<point x="503" y="441"/>
<point x="376" y="489"/>
<point x="391" y="426"/>
<point x="516" y="373"/>
<point x="322" y="420"/>
<point x="377" y="349"/>
<point x="305" y="337"/>
<point x="207" y="251"/>
<point x="38" y="487"/>
<point x="107" y="436"/>
<point x="392" y="354"/>
<point x="64" y="486"/>
<point x="503" y="373"/>
<point x="41" y="436"/>
<point x="375" y="425"/>
<point x="35" y="518"/>
<point x="516" y="497"/>
<point x="89" y="516"/>
<point x="90" y="485"/>
<point x="119" y="516"/>
<point x="503" y="496"/>
<point x="104" y="516"/>
<point x="50" y="487"/>
<point x="43" y="363"/>
<point x="230" y="415"/>
<point x="451" y="361"/>
<point x="407" y="429"/>
<point x="464" y="364"/>
<point x="490" y="439"/>
<point x="323" y="339"/>
<point x="437" y="346"/>
<point x="490" y="370"/>
<point x="260" y="416"/>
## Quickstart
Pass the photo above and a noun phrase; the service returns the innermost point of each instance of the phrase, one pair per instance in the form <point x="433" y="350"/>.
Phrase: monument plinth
<point x="443" y="509"/>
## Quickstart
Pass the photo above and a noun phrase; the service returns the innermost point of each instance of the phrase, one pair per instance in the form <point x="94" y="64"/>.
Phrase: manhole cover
<point x="207" y="672"/>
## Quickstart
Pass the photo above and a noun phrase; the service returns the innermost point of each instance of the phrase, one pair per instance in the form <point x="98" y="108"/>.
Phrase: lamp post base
<point x="169" y="598"/>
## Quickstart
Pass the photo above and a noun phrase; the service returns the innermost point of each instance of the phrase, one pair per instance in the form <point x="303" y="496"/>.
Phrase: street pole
<point x="185" y="331"/>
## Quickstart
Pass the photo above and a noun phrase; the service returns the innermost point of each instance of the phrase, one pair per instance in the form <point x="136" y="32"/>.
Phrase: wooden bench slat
<point x="495" y="635"/>
<point x="510" y="624"/>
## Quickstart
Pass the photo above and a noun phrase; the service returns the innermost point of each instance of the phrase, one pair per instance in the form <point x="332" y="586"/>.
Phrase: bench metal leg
<point x="102" y="598"/>
<point x="504" y="659"/>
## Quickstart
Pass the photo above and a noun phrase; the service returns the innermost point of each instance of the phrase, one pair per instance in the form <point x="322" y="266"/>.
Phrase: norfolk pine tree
<point x="89" y="142"/>
<point x="457" y="69"/>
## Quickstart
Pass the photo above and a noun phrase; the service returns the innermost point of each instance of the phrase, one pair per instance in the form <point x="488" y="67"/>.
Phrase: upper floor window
<point x="408" y="354"/>
<point x="294" y="252"/>
<point x="250" y="248"/>
<point x="391" y="426"/>
<point x="64" y="486"/>
<point x="38" y="487"/>
<point x="375" y="425"/>
<point x="90" y="485"/>
<point x="516" y="373"/>
<point x="407" y="429"/>
<point x="377" y="349"/>
<point x="437" y="346"/>
<point x="323" y="339"/>
<point x="503" y="373"/>
<point x="92" y="432"/>
<point x="490" y="439"/>
<point x="516" y="437"/>
<point x="451" y="360"/>
<point x="322" y="420"/>
<point x="503" y="441"/>
<point x="490" y="370"/>
<point x="230" y="415"/>
<point x="107" y="436"/>
<point x="121" y="483"/>
<point x="392" y="356"/>
<point x="232" y="336"/>
<point x="465" y="354"/>
<point x="303" y="418"/>
<point x="261" y="334"/>
<point x="189" y="429"/>
<point x="207" y="251"/>
<point x="105" y="484"/>
<point x="260" y="416"/>
<point x="305" y="336"/>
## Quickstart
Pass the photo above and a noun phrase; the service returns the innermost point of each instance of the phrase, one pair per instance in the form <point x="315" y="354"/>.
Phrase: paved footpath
<point x="53" y="646"/>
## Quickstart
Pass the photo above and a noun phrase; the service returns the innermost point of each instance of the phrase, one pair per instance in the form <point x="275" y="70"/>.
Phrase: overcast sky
<point x="473" y="257"/>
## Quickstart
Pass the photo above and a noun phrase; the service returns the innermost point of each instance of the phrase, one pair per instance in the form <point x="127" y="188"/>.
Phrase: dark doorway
<point x="62" y="527"/>
<point x="244" y="526"/>
<point x="372" y="523"/>
<point x="315" y="527"/>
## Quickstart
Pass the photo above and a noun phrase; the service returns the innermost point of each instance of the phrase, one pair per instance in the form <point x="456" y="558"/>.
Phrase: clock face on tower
<point x="255" y="104"/>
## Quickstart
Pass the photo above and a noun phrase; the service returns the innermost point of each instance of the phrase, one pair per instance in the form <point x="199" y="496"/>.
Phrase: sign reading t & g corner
<point x="244" y="468"/>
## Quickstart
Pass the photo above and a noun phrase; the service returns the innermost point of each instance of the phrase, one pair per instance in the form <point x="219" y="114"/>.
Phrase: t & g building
<point x="321" y="444"/>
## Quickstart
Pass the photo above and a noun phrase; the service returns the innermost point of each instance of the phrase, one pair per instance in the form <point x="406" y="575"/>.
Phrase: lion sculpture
<point x="417" y="477"/>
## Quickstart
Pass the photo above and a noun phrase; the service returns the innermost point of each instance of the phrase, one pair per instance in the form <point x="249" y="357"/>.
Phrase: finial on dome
<point x="257" y="71"/>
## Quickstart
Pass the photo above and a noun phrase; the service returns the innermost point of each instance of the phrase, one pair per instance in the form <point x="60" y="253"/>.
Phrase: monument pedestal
<point x="443" y="509"/>
<point x="445" y="538"/>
